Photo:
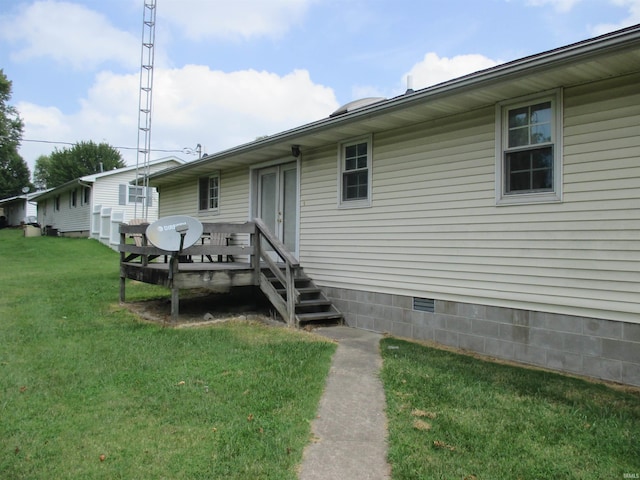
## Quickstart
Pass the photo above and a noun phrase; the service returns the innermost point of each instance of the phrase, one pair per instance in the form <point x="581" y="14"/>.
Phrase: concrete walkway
<point x="351" y="428"/>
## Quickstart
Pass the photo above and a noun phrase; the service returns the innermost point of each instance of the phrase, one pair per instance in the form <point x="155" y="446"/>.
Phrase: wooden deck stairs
<point x="310" y="304"/>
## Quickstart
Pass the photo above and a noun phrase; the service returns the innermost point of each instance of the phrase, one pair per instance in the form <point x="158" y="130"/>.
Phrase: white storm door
<point x="278" y="202"/>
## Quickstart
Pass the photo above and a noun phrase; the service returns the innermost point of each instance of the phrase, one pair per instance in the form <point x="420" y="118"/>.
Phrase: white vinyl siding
<point x="233" y="206"/>
<point x="434" y="229"/>
<point x="68" y="218"/>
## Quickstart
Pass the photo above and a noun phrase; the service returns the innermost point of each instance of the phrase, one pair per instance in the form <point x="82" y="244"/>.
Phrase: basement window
<point x="424" y="305"/>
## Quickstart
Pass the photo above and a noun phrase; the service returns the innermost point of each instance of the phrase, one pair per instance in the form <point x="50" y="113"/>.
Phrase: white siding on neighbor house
<point x="17" y="211"/>
<point x="68" y="218"/>
<point x="434" y="230"/>
<point x="106" y="193"/>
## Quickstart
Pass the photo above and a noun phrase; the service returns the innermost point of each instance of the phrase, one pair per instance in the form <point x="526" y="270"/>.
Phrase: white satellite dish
<point x="166" y="233"/>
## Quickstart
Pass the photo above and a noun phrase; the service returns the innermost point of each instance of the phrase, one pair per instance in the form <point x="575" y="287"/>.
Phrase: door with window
<point x="277" y="202"/>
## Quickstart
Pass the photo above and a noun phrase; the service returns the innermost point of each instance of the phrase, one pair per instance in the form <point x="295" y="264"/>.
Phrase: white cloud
<point x="70" y="34"/>
<point x="233" y="19"/>
<point x="633" y="18"/>
<point x="434" y="69"/>
<point x="190" y="105"/>
<point x="561" y="6"/>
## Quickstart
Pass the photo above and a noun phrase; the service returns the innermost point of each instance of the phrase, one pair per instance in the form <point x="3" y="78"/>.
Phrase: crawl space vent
<point x="424" y="304"/>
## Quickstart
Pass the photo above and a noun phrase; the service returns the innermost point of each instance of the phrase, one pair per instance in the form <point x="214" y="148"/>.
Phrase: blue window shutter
<point x="122" y="194"/>
<point x="149" y="197"/>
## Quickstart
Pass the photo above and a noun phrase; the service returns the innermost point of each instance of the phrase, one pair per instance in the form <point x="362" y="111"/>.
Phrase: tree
<point x="84" y="158"/>
<point x="14" y="172"/>
<point x="43" y="163"/>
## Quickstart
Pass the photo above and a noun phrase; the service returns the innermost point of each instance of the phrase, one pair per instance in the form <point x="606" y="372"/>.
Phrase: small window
<point x="529" y="158"/>
<point x="73" y="198"/>
<point x="355" y="173"/>
<point x="132" y="194"/>
<point x="209" y="192"/>
<point x="135" y="195"/>
<point x="86" y="195"/>
<point x="56" y="203"/>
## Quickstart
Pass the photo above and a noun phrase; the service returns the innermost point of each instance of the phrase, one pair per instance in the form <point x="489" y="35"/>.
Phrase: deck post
<point x="123" y="241"/>
<point x="291" y="301"/>
<point x="257" y="249"/>
<point x="175" y="304"/>
<point x="122" y="285"/>
<point x="175" y="291"/>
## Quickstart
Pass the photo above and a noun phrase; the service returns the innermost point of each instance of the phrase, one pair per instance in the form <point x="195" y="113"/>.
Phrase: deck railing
<point x="135" y="247"/>
<point x="286" y="277"/>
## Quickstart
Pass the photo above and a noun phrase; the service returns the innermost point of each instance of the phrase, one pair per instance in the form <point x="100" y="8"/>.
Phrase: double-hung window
<point x="355" y="173"/>
<point x="529" y="150"/>
<point x="135" y="194"/>
<point x="132" y="194"/>
<point x="209" y="192"/>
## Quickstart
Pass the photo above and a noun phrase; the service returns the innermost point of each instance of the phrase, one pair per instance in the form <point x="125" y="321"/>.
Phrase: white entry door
<point x="278" y="202"/>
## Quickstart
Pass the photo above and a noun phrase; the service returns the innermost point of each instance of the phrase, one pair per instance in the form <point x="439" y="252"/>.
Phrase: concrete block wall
<point x="591" y="347"/>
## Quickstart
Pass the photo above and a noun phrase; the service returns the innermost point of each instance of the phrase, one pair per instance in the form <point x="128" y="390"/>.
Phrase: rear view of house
<point x="497" y="213"/>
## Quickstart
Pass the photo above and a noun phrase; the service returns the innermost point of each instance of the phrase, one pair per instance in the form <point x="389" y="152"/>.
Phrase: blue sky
<point x="228" y="71"/>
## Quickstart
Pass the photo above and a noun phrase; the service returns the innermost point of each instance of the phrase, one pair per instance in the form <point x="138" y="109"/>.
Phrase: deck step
<point x="301" y="291"/>
<point x="312" y="304"/>
<point x="319" y="317"/>
<point x="317" y="302"/>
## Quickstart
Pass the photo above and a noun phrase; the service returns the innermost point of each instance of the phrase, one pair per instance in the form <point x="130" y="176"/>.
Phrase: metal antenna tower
<point x="144" y="107"/>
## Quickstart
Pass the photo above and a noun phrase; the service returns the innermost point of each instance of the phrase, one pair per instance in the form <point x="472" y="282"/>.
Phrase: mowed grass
<point x="87" y="391"/>
<point x="453" y="416"/>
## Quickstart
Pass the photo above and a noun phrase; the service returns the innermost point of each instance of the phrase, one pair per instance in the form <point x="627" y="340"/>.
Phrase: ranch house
<point x="497" y="213"/>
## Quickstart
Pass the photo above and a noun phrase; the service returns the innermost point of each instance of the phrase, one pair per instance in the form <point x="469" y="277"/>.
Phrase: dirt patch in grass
<point x="201" y="308"/>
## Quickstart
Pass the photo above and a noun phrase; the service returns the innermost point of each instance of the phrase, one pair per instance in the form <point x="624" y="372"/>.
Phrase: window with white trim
<point x="209" y="192"/>
<point x="132" y="194"/>
<point x="529" y="156"/>
<point x="355" y="173"/>
<point x="135" y="194"/>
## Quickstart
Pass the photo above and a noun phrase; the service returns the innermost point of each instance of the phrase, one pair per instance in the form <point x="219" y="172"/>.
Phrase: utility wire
<point x="119" y="148"/>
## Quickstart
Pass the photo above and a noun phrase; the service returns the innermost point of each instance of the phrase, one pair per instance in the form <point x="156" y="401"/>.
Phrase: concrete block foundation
<point x="591" y="347"/>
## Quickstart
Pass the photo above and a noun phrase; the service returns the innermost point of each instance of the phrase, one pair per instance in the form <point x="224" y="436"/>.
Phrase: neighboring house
<point x="18" y="209"/>
<point x="70" y="209"/>
<point x="497" y="213"/>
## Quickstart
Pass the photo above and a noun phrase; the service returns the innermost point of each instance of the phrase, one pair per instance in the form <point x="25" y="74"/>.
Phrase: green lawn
<point x="453" y="416"/>
<point x="87" y="391"/>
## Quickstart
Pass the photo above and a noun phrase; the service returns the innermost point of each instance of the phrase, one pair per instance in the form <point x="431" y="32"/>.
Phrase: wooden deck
<point x="218" y="266"/>
<point x="214" y="276"/>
